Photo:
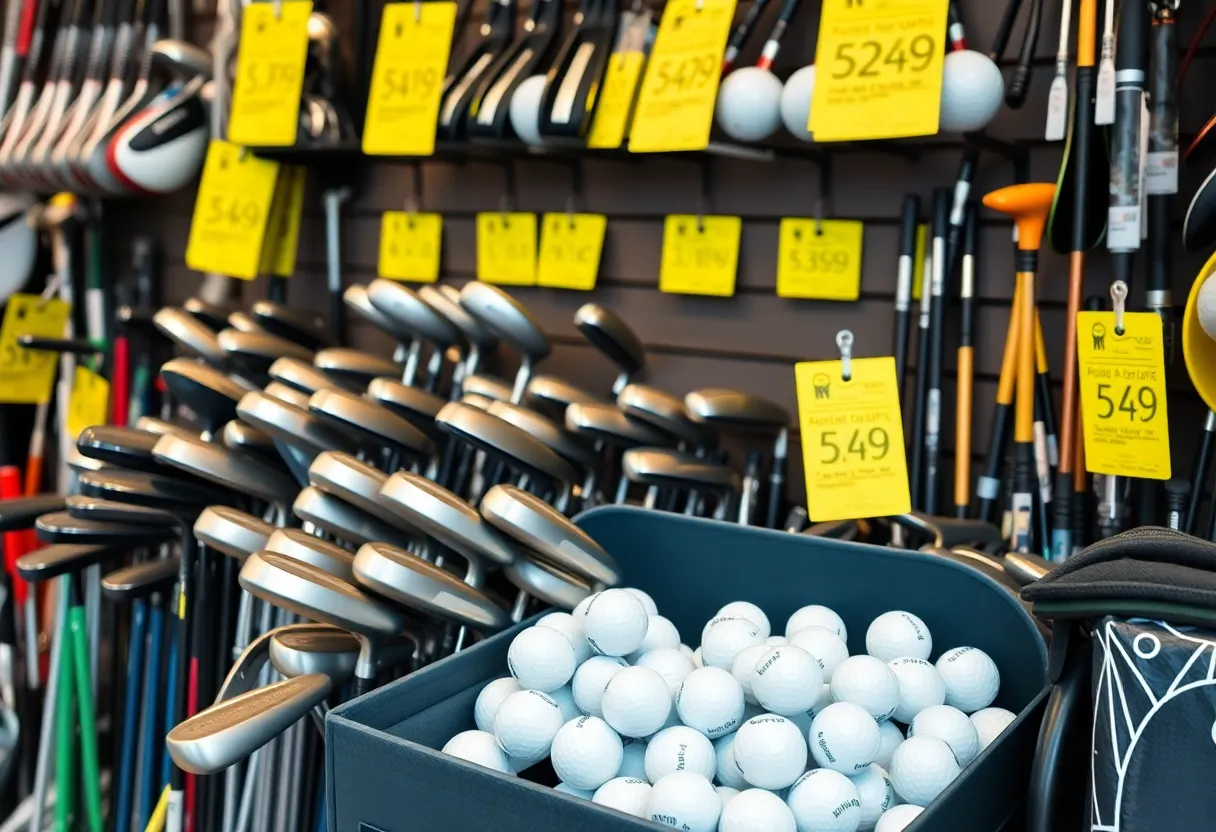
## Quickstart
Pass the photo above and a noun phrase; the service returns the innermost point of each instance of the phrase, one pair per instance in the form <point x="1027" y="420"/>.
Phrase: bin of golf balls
<point x="792" y="704"/>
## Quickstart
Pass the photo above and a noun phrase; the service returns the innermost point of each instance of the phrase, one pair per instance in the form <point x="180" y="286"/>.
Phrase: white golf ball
<point x="568" y="625"/>
<point x="727" y="772"/>
<point x="868" y="682"/>
<point x="615" y="623"/>
<point x="787" y="680"/>
<point x="776" y="641"/>
<point x="743" y="667"/>
<point x="586" y="753"/>
<point x="796" y="102"/>
<point x="581" y="607"/>
<point x="990" y="723"/>
<point x="687" y="651"/>
<point x="1205" y="305"/>
<point x="757" y="810"/>
<point x="748" y="610"/>
<point x="491" y="696"/>
<point x="526" y="723"/>
<point x="972" y="91"/>
<point x="633" y="759"/>
<point x="971" y="677"/>
<point x="951" y="726"/>
<point x="636" y="702"/>
<point x="625" y="794"/>
<point x="889" y="739"/>
<point x="824" y="800"/>
<point x="711" y="701"/>
<point x="816" y="615"/>
<point x="696" y="658"/>
<point x="770" y="751"/>
<point x="590" y="680"/>
<point x="566" y="788"/>
<point x="686" y="801"/>
<point x="660" y="634"/>
<point x="898" y="633"/>
<point x="876" y="792"/>
<point x="749" y="104"/>
<point x="828" y="648"/>
<point x="541" y="658"/>
<point x="921" y="768"/>
<point x="644" y="597"/>
<point x="478" y="747"/>
<point x="803" y="719"/>
<point x="920" y="687"/>
<point x="844" y="738"/>
<point x="524" y="109"/>
<point x="898" y="818"/>
<point x="679" y="748"/>
<point x="564" y="697"/>
<point x="727" y="794"/>
<point x="672" y="665"/>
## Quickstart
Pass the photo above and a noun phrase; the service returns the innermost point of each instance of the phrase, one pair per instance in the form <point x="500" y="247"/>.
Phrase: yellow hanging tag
<point x="506" y="248"/>
<point x="1123" y="399"/>
<point x="823" y="262"/>
<point x="616" y="100"/>
<point x="700" y="255"/>
<point x="410" y="245"/>
<point x="407" y="79"/>
<point x="675" y="108"/>
<point x="90" y="401"/>
<point x="570" y="248"/>
<point x="27" y="376"/>
<point x="283" y="228"/>
<point x="231" y="212"/>
<point x="879" y="69"/>
<point x="852" y="440"/>
<point x="270" y="74"/>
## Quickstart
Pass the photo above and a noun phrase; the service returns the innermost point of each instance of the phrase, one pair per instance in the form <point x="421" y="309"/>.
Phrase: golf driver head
<point x="287" y="394"/>
<point x="238" y="436"/>
<point x="671" y="469"/>
<point x="541" y="427"/>
<point x="307" y="330"/>
<point x="215" y="463"/>
<point x="611" y="336"/>
<point x="210" y="315"/>
<point x="344" y="521"/>
<point x="310" y="549"/>
<point x="355" y="367"/>
<point x="210" y="394"/>
<point x="352" y="481"/>
<point x="416" y="406"/>
<point x="301" y="376"/>
<point x="257" y="351"/>
<point x="241" y="322"/>
<point x="190" y="334"/>
<point x="410" y="316"/>
<point x="608" y="424"/>
<point x="556" y="394"/>
<point x="503" y="440"/>
<point x="356" y="300"/>
<point x="661" y="410"/>
<point x="504" y="316"/>
<point x="289" y="425"/>
<point x="446" y="301"/>
<point x="547" y="583"/>
<point x="232" y="532"/>
<point x="488" y="386"/>
<point x="368" y="423"/>
<point x="438" y="513"/>
<point x="735" y="410"/>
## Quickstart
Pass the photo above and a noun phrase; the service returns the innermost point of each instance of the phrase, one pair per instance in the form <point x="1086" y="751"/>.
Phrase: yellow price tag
<point x="879" y="69"/>
<point x="852" y="440"/>
<point x="410" y="246"/>
<point x="283" y="229"/>
<point x="700" y="255"/>
<point x="90" y="401"/>
<point x="506" y="248"/>
<point x="27" y="376"/>
<point x="407" y="79"/>
<point x="821" y="262"/>
<point x="676" y="105"/>
<point x="231" y="212"/>
<point x="270" y="74"/>
<point x="1123" y="401"/>
<point x="570" y="248"/>
<point x="616" y="100"/>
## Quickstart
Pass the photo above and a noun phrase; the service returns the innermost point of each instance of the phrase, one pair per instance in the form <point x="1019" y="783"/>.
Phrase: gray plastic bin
<point x="384" y="772"/>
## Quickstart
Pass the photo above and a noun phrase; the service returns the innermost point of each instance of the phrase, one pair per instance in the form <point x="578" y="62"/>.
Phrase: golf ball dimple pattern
<point x="787" y="680"/>
<point x="633" y="759"/>
<point x="672" y="665"/>
<point x="679" y="748"/>
<point x="868" y="682"/>
<point x="526" y="723"/>
<point x="816" y="615"/>
<point x="711" y="701"/>
<point x="491" y="696"/>
<point x="541" y="658"/>
<point x="567" y="625"/>
<point x="844" y="738"/>
<point x="898" y="818"/>
<point x="921" y="768"/>
<point x="951" y="726"/>
<point x="920" y="687"/>
<point x="660" y="634"/>
<point x="971" y="678"/>
<point x="636" y="702"/>
<point x="742" y="669"/>
<point x="898" y="633"/>
<point x="827" y="647"/>
<point x="615" y="623"/>
<point x="756" y="810"/>
<point x="825" y="801"/>
<point x="581" y="607"/>
<point x="625" y="794"/>
<point x="748" y="610"/>
<point x="889" y="738"/>
<point x="770" y="751"/>
<point x="478" y="747"/>
<point x="685" y="801"/>
<point x="590" y="681"/>
<point x="876" y="792"/>
<point x="727" y="639"/>
<point x="727" y="771"/>
<point x="586" y="753"/>
<point x="990" y="723"/>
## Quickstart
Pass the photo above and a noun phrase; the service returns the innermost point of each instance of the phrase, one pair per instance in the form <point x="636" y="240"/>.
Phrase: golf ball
<point x="844" y="738"/>
<point x="898" y="818"/>
<point x="770" y="751"/>
<point x="749" y="104"/>
<point x="567" y="625"/>
<point x="776" y="641"/>
<point x="868" y="682"/>
<point x="951" y="726"/>
<point x="696" y="658"/>
<point x="711" y="701"/>
<point x="524" y="109"/>
<point x="647" y="602"/>
<point x="660" y="634"/>
<point x="1205" y="305"/>
<point x="787" y="680"/>
<point x="889" y="739"/>
<point x="876" y="792"/>
<point x="727" y="639"/>
<point x="898" y="633"/>
<point x="742" y="669"/>
<point x="920" y="687"/>
<point x="990" y="723"/>
<point x="972" y="91"/>
<point x="727" y="794"/>
<point x="803" y="718"/>
<point x="727" y="771"/>
<point x="796" y="102"/>
<point x="748" y="610"/>
<point x="816" y="615"/>
<point x="541" y="658"/>
<point x="971" y="677"/>
<point x="625" y="794"/>
<point x="828" y="648"/>
<point x="582" y="605"/>
<point x="478" y="747"/>
<point x="586" y="753"/>
<point x="921" y="768"/>
<point x="679" y="748"/>
<point x="591" y="679"/>
<point x="636" y="702"/>
<point x="756" y="810"/>
<point x="526" y="723"/>
<point x="686" y="801"/>
<point x="672" y="665"/>
<point x="491" y="696"/>
<point x="824" y="800"/>
<point x="615" y="623"/>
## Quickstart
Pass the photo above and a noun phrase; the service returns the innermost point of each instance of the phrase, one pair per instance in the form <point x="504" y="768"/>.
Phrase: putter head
<point x="661" y="410"/>
<point x="62" y="527"/>
<point x="226" y="733"/>
<point x="215" y="463"/>
<point x="257" y="351"/>
<point x="438" y="513"/>
<point x="413" y="404"/>
<point x="111" y="511"/>
<point x="20" y="512"/>
<point x="232" y="532"/>
<point x="141" y="580"/>
<point x="63" y="559"/>
<point x="128" y="448"/>
<point x="356" y="300"/>
<point x="175" y="494"/>
<point x="291" y="426"/>
<point x="308" y="548"/>
<point x="556" y="394"/>
<point x="352" y="481"/>
<point x="287" y="394"/>
<point x="301" y="375"/>
<point x="409" y="315"/>
<point x="671" y="469"/>
<point x="488" y="386"/>
<point x="446" y="301"/>
<point x="354" y="368"/>
<point x="504" y="316"/>
<point x="555" y="439"/>
<point x="301" y="649"/>
<point x="414" y="583"/>
<point x="548" y="583"/>
<point x="368" y="423"/>
<point x="208" y="314"/>
<point x="736" y="411"/>
<point x="343" y="520"/>
<point x="611" y="336"/>
<point x="548" y="535"/>
<point x="608" y="424"/>
<point x="190" y="334"/>
<point x="209" y="393"/>
<point x="307" y="330"/>
<point x="503" y="440"/>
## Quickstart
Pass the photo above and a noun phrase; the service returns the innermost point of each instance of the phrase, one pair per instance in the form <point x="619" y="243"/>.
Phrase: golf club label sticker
<point x="231" y="212"/>
<point x="407" y="79"/>
<point x="700" y="255"/>
<point x="615" y="101"/>
<point x="675" y="108"/>
<point x="1123" y="400"/>
<point x="410" y="245"/>
<point x="819" y="260"/>
<point x="880" y="69"/>
<point x="506" y="248"/>
<point x="283" y="227"/>
<point x="27" y="376"/>
<point x="90" y="401"/>
<point x="852" y="439"/>
<point x="270" y="74"/>
<point x="570" y="248"/>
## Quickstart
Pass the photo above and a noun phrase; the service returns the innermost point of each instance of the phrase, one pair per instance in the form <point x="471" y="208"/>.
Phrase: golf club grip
<point x="988" y="489"/>
<point x="1061" y="532"/>
<point x="1000" y="41"/>
<point x="1019" y="86"/>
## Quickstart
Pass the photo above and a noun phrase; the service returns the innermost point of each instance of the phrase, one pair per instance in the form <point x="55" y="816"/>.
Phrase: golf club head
<point x="548" y="535"/>
<point x="242" y="322"/>
<point x="414" y="583"/>
<point x="307" y="330"/>
<point x="611" y="336"/>
<point x="488" y="386"/>
<point x="246" y="671"/>
<point x="160" y="426"/>
<point x="445" y="300"/>
<point x="354" y="367"/>
<point x="301" y="376"/>
<point x="415" y="405"/>
<point x="79" y="462"/>
<point x="310" y="549"/>
<point x="20" y="512"/>
<point x="556" y="394"/>
<point x="1026" y="569"/>
<point x="661" y="410"/>
<point x="64" y="559"/>
<point x="343" y="520"/>
<point x="62" y="527"/>
<point x="672" y="469"/>
<point x="182" y="59"/>
<point x="234" y="533"/>
<point x="554" y="438"/>
<point x="438" y="513"/>
<point x="734" y="410"/>
<point x="141" y="580"/>
<point x="504" y="441"/>
<point x="208" y="314"/>
<point x="504" y="316"/>
<point x="287" y="394"/>
<point x="547" y="583"/>
<point x="352" y="481"/>
<point x="257" y="351"/>
<point x="290" y="425"/>
<point x="129" y="448"/>
<point x="608" y="424"/>
<point x="477" y="400"/>
<point x="368" y="423"/>
<point x="356" y="300"/>
<point x="178" y="495"/>
<point x="302" y="649"/>
<point x="215" y="463"/>
<point x="190" y="334"/>
<point x="111" y="511"/>
<point x="240" y="437"/>
<point x="208" y="392"/>
<point x="410" y="316"/>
